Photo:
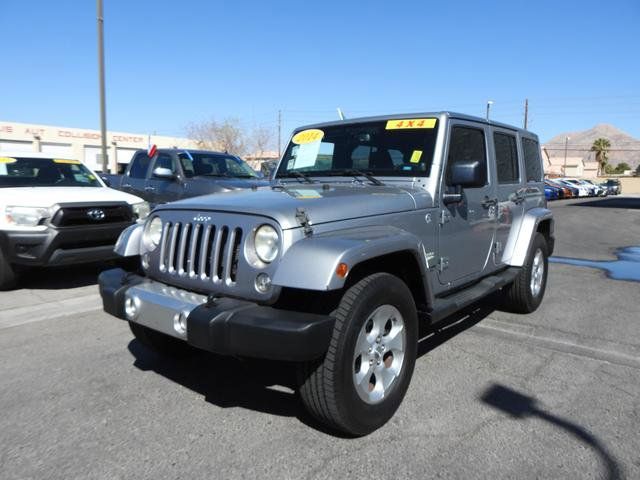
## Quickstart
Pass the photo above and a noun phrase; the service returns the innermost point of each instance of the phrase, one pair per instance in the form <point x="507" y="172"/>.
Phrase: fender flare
<point x="517" y="253"/>
<point x="129" y="242"/>
<point x="311" y="263"/>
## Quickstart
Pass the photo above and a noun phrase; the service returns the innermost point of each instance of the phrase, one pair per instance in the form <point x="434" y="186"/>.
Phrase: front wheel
<point x="525" y="294"/>
<point x="359" y="384"/>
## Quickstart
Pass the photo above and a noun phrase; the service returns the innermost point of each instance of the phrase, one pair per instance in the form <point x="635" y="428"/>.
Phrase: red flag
<point x="152" y="151"/>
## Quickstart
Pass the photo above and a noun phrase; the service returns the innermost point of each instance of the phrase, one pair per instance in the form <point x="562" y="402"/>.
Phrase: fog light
<point x="180" y="322"/>
<point x="263" y="283"/>
<point x="131" y="307"/>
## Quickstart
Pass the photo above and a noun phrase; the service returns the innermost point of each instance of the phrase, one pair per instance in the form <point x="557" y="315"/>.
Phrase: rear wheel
<point x="359" y="384"/>
<point x="525" y="294"/>
<point x="8" y="278"/>
<point x="159" y="342"/>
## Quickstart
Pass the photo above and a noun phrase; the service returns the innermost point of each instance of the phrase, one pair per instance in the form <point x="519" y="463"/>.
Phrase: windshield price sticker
<point x="410" y="123"/>
<point x="416" y="156"/>
<point x="7" y="160"/>
<point x="63" y="160"/>
<point x="308" y="136"/>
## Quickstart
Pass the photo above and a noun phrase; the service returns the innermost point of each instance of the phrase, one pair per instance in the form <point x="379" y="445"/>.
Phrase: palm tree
<point x="601" y="146"/>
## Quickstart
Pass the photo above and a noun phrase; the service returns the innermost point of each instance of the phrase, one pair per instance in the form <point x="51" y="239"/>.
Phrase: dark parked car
<point x="174" y="174"/>
<point x="613" y="186"/>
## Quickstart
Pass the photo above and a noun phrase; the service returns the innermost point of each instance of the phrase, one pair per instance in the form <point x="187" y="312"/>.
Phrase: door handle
<point x="489" y="202"/>
<point x="517" y="198"/>
<point x="126" y="185"/>
<point x="149" y="189"/>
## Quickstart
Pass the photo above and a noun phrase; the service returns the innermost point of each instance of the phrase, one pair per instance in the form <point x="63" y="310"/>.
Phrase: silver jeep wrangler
<point x="369" y="227"/>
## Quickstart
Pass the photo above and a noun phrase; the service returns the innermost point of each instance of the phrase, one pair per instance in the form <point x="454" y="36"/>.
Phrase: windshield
<point x="402" y="147"/>
<point x="45" y="172"/>
<point x="214" y="165"/>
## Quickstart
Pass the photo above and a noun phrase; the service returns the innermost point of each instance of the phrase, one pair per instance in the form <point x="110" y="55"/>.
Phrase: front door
<point x="164" y="190"/>
<point x="467" y="228"/>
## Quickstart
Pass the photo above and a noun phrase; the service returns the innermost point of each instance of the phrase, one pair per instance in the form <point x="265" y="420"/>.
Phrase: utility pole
<point x="489" y="103"/>
<point x="566" y="144"/>
<point x="103" y="113"/>
<point x="279" y="132"/>
<point x="526" y="112"/>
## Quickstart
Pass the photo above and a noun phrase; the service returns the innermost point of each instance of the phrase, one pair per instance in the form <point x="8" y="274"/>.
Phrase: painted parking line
<point x="50" y="310"/>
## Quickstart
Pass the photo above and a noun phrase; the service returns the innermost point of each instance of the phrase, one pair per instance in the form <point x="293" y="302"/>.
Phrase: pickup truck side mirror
<point x="164" y="173"/>
<point x="467" y="174"/>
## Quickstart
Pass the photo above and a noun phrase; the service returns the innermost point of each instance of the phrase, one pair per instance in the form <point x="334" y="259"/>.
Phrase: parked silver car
<point x="371" y="227"/>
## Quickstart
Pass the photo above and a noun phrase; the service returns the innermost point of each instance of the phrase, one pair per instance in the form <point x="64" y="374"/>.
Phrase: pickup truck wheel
<point x="7" y="274"/>
<point x="159" y="342"/>
<point x="359" y="384"/>
<point x="525" y="294"/>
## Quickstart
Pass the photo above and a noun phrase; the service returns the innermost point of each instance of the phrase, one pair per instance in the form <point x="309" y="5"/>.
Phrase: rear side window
<point x="506" y="158"/>
<point x="532" y="164"/>
<point x="139" y="166"/>
<point x="467" y="144"/>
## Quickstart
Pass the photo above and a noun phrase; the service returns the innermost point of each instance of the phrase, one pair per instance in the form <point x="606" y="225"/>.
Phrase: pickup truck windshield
<point x="45" y="172"/>
<point x="399" y="147"/>
<point x="196" y="164"/>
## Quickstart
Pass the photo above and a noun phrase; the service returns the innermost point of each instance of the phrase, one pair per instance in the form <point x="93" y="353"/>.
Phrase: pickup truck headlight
<point x="266" y="243"/>
<point x="152" y="234"/>
<point x="26" y="216"/>
<point x="141" y="210"/>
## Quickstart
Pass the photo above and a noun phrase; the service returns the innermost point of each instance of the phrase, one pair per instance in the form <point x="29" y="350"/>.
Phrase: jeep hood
<point x="322" y="202"/>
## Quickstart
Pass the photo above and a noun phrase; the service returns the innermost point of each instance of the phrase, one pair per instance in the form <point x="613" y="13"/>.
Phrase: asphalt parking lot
<point x="554" y="394"/>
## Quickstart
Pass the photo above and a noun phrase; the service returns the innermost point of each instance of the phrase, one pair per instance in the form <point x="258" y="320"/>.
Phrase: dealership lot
<point x="555" y="394"/>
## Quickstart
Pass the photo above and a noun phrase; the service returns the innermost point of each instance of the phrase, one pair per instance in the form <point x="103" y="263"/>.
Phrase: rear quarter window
<point x="532" y="163"/>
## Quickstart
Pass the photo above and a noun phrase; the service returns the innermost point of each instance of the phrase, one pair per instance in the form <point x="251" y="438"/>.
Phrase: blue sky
<point x="172" y="63"/>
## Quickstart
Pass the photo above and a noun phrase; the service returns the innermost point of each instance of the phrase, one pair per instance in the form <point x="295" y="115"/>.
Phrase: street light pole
<point x="566" y="143"/>
<point x="489" y="103"/>
<point x="103" y="113"/>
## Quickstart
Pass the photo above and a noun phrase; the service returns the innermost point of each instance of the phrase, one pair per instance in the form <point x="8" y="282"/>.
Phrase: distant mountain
<point x="624" y="147"/>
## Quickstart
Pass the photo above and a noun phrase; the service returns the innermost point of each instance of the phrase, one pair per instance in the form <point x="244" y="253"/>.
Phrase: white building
<point x="81" y="144"/>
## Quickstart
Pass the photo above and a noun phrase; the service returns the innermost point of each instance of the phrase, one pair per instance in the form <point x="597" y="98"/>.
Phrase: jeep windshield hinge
<point x="304" y="221"/>
<point x="445" y="216"/>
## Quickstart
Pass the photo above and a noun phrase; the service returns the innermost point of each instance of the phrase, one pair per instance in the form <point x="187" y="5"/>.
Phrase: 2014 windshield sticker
<point x="308" y="136"/>
<point x="63" y="160"/>
<point x="406" y="123"/>
<point x="7" y="160"/>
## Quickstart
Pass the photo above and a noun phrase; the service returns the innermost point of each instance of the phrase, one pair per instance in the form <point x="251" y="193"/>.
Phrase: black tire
<point x="160" y="343"/>
<point x="519" y="297"/>
<point x="327" y="386"/>
<point x="8" y="277"/>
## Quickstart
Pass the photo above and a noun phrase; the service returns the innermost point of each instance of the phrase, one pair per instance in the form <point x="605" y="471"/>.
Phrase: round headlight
<point x="266" y="243"/>
<point x="152" y="234"/>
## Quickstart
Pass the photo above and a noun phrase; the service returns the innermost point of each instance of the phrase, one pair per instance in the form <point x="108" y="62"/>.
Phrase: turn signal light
<point x="342" y="270"/>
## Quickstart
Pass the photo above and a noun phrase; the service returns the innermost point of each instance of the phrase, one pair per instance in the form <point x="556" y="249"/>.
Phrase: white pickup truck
<point x="56" y="211"/>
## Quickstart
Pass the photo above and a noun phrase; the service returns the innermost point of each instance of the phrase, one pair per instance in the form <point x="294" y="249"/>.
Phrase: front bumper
<point x="62" y="246"/>
<point x="223" y="325"/>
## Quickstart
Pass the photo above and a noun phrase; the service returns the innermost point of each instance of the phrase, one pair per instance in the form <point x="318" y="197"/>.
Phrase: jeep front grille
<point x="198" y="250"/>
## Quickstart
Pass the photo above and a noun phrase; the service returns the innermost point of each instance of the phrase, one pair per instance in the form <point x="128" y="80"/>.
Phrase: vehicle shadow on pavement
<point x="520" y="406"/>
<point x="60" y="278"/>
<point x="269" y="386"/>
<point x="617" y="202"/>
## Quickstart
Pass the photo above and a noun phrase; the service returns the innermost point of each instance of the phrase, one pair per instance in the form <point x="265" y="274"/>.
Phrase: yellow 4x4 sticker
<point x="410" y="123"/>
<point x="7" y="160"/>
<point x="64" y="160"/>
<point x="308" y="136"/>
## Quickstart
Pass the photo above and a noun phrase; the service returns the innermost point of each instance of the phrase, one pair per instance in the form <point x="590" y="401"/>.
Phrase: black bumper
<point x="234" y="327"/>
<point x="64" y="246"/>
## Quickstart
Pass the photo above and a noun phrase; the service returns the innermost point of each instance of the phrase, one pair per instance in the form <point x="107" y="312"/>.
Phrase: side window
<point x="532" y="163"/>
<point x="466" y="144"/>
<point x="165" y="161"/>
<point x="506" y="158"/>
<point x="139" y="166"/>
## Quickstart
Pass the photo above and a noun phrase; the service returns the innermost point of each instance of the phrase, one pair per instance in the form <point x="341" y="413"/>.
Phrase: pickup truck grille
<point x="73" y="216"/>
<point x="201" y="251"/>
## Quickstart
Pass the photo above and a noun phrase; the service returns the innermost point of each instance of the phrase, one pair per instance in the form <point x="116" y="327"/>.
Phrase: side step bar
<point x="445" y="306"/>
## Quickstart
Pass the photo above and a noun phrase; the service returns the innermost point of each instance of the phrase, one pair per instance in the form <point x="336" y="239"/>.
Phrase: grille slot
<point x="207" y="252"/>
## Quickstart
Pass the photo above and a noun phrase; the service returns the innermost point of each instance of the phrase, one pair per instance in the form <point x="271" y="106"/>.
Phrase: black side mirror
<point x="467" y="174"/>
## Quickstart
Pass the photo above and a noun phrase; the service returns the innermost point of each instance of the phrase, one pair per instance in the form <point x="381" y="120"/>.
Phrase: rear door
<point x="510" y="187"/>
<point x="467" y="228"/>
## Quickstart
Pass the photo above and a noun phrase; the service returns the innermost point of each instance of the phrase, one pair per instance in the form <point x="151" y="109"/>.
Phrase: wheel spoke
<point x="363" y="345"/>
<point x="395" y="339"/>
<point x="361" y="378"/>
<point x="386" y="376"/>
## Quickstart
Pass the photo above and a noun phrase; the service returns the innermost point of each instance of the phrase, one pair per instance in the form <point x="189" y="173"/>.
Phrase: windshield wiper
<point x="300" y="175"/>
<point x="358" y="173"/>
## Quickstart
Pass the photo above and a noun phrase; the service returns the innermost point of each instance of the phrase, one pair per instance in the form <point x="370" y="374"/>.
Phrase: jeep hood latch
<point x="304" y="221"/>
